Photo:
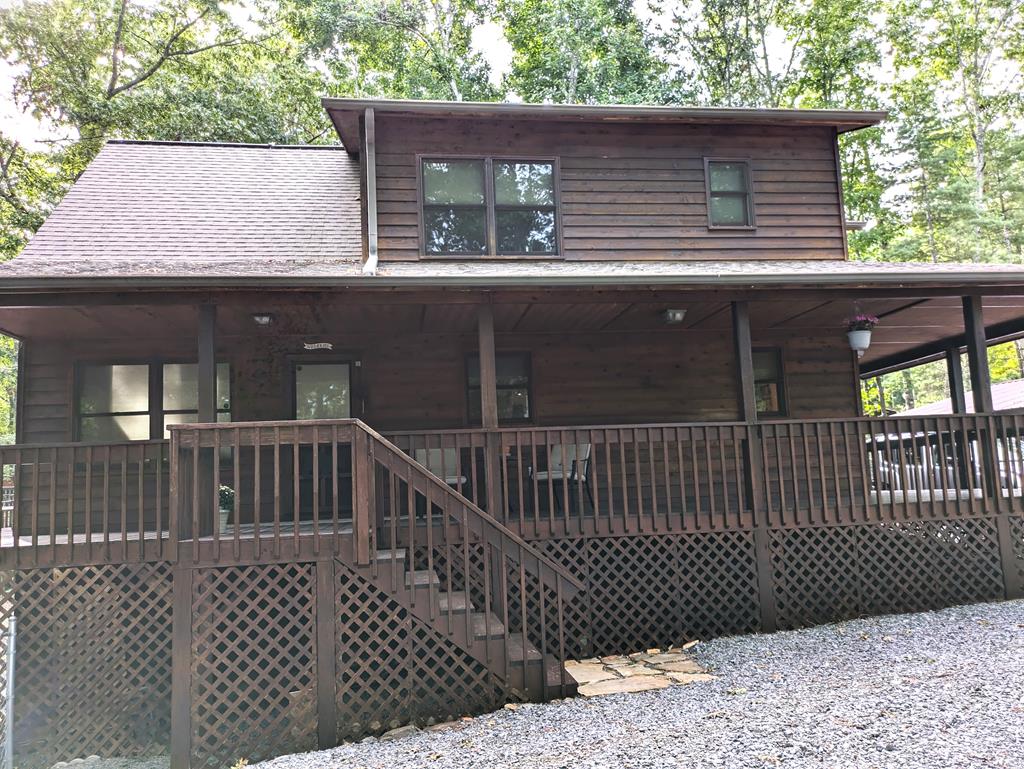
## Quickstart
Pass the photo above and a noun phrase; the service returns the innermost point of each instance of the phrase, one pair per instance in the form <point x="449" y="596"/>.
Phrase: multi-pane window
<point x="512" y="371"/>
<point x="769" y="394"/>
<point x="113" y="403"/>
<point x="181" y="394"/>
<point x="728" y="193"/>
<point x="465" y="199"/>
<point x="136" y="401"/>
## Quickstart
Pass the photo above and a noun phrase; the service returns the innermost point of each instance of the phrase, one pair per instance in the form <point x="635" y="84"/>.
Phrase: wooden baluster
<point x="709" y="471"/>
<point x="666" y="475"/>
<point x="521" y="498"/>
<point x="257" y="492"/>
<point x="838" y="500"/>
<point x="215" y="494"/>
<point x="335" y="485"/>
<point x="107" y="502"/>
<point x="634" y="435"/>
<point x="88" y="498"/>
<point x="52" y="530"/>
<point x="851" y="503"/>
<point x="277" y="492"/>
<point x="698" y="505"/>
<point x="296" y="488"/>
<point x="236" y="484"/>
<point x="535" y="483"/>
<point x="124" y="503"/>
<point x="316" y="490"/>
<point x="35" y="507"/>
<point x="818" y="471"/>
<point x="140" y="523"/>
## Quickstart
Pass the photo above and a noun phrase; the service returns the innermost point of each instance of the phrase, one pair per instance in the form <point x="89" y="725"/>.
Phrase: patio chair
<point x="567" y="464"/>
<point x="444" y="463"/>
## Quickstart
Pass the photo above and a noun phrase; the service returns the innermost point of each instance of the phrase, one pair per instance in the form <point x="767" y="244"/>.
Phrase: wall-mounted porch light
<point x="262" y="319"/>
<point x="673" y="317"/>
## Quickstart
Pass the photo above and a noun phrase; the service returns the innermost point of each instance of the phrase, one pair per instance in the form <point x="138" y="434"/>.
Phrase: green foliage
<point x="409" y="49"/>
<point x="579" y="52"/>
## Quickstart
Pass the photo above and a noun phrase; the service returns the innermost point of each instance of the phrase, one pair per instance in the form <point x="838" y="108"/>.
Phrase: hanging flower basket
<point x="858" y="332"/>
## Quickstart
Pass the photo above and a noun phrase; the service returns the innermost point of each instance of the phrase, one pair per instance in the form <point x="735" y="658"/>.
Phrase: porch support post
<point x="744" y="361"/>
<point x="955" y="373"/>
<point x="489" y="408"/>
<point x="752" y="455"/>
<point x="181" y="668"/>
<point x="977" y="355"/>
<point x="206" y="373"/>
<point x="206" y="377"/>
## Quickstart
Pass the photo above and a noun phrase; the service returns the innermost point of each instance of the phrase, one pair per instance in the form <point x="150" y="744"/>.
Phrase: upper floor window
<point x="730" y="202"/>
<point x="489" y="207"/>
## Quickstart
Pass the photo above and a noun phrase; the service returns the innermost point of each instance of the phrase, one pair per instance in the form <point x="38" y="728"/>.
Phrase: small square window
<point x="729" y="199"/>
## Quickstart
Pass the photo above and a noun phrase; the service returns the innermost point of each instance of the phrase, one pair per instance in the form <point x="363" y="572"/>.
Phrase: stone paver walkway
<point x="653" y="669"/>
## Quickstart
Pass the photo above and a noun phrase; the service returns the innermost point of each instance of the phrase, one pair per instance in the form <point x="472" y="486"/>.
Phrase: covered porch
<point x="558" y="413"/>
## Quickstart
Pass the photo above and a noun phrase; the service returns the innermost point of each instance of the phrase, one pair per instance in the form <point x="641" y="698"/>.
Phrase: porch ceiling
<point x="910" y="328"/>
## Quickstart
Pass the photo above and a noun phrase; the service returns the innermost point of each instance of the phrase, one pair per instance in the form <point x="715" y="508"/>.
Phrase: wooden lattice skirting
<point x="289" y="656"/>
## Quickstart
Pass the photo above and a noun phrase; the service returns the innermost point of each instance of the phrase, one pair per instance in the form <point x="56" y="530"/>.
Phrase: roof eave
<point x="841" y="120"/>
<point x="21" y="285"/>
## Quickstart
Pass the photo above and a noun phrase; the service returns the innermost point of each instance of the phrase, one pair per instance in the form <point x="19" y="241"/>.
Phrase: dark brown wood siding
<point x="418" y="380"/>
<point x="634" y="192"/>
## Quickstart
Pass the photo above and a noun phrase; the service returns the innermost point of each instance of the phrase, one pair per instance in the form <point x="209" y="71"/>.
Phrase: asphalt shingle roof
<point x="168" y="203"/>
<point x="172" y="214"/>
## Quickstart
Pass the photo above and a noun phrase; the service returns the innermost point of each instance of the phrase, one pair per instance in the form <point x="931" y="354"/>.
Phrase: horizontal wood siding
<point x="634" y="192"/>
<point x="418" y="380"/>
<point x="46" y="394"/>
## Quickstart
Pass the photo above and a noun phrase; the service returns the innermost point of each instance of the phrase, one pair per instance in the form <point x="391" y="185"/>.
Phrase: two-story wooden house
<point x="317" y="441"/>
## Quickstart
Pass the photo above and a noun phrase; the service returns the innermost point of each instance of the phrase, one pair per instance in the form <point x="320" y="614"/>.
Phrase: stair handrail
<point x="546" y="567"/>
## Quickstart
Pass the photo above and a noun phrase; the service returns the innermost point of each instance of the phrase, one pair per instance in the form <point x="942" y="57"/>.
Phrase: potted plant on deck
<point x="858" y="331"/>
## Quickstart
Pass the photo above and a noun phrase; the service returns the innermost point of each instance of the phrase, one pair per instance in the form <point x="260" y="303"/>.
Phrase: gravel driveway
<point x="941" y="689"/>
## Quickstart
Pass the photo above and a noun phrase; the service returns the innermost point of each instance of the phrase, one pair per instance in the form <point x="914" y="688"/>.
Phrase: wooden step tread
<point x="457" y="600"/>
<point x="390" y="555"/>
<point x="487" y="625"/>
<point x="421" y="578"/>
<point x="516" y="652"/>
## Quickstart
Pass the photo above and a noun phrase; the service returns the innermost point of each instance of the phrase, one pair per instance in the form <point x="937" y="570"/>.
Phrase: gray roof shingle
<point x="164" y="203"/>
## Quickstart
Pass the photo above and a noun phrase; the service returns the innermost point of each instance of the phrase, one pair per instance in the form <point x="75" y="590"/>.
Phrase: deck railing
<point x="113" y="502"/>
<point x="98" y="502"/>
<point x="705" y="477"/>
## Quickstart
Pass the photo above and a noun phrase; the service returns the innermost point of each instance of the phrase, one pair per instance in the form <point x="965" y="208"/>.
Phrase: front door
<point x="323" y="391"/>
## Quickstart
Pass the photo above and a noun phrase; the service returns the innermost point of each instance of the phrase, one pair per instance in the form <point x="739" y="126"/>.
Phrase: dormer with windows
<point x="527" y="182"/>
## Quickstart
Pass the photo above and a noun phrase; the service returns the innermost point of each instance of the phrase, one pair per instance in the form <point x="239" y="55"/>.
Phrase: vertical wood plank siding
<point x="634" y="192"/>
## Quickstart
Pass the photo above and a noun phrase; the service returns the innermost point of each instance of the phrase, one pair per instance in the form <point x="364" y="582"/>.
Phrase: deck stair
<point x="515" y="660"/>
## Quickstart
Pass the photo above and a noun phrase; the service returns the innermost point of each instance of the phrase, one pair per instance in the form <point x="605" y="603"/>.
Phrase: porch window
<point x="730" y="204"/>
<point x="513" y="380"/>
<point x="488" y="207"/>
<point x="769" y="391"/>
<point x="137" y="401"/>
<point x="113" y="403"/>
<point x="181" y="394"/>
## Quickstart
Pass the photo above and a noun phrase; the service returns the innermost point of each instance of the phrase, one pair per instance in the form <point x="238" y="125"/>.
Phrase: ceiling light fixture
<point x="673" y="317"/>
<point x="262" y="319"/>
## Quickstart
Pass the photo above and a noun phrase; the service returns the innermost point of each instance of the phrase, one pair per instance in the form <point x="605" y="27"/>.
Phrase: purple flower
<point x="861" y="322"/>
